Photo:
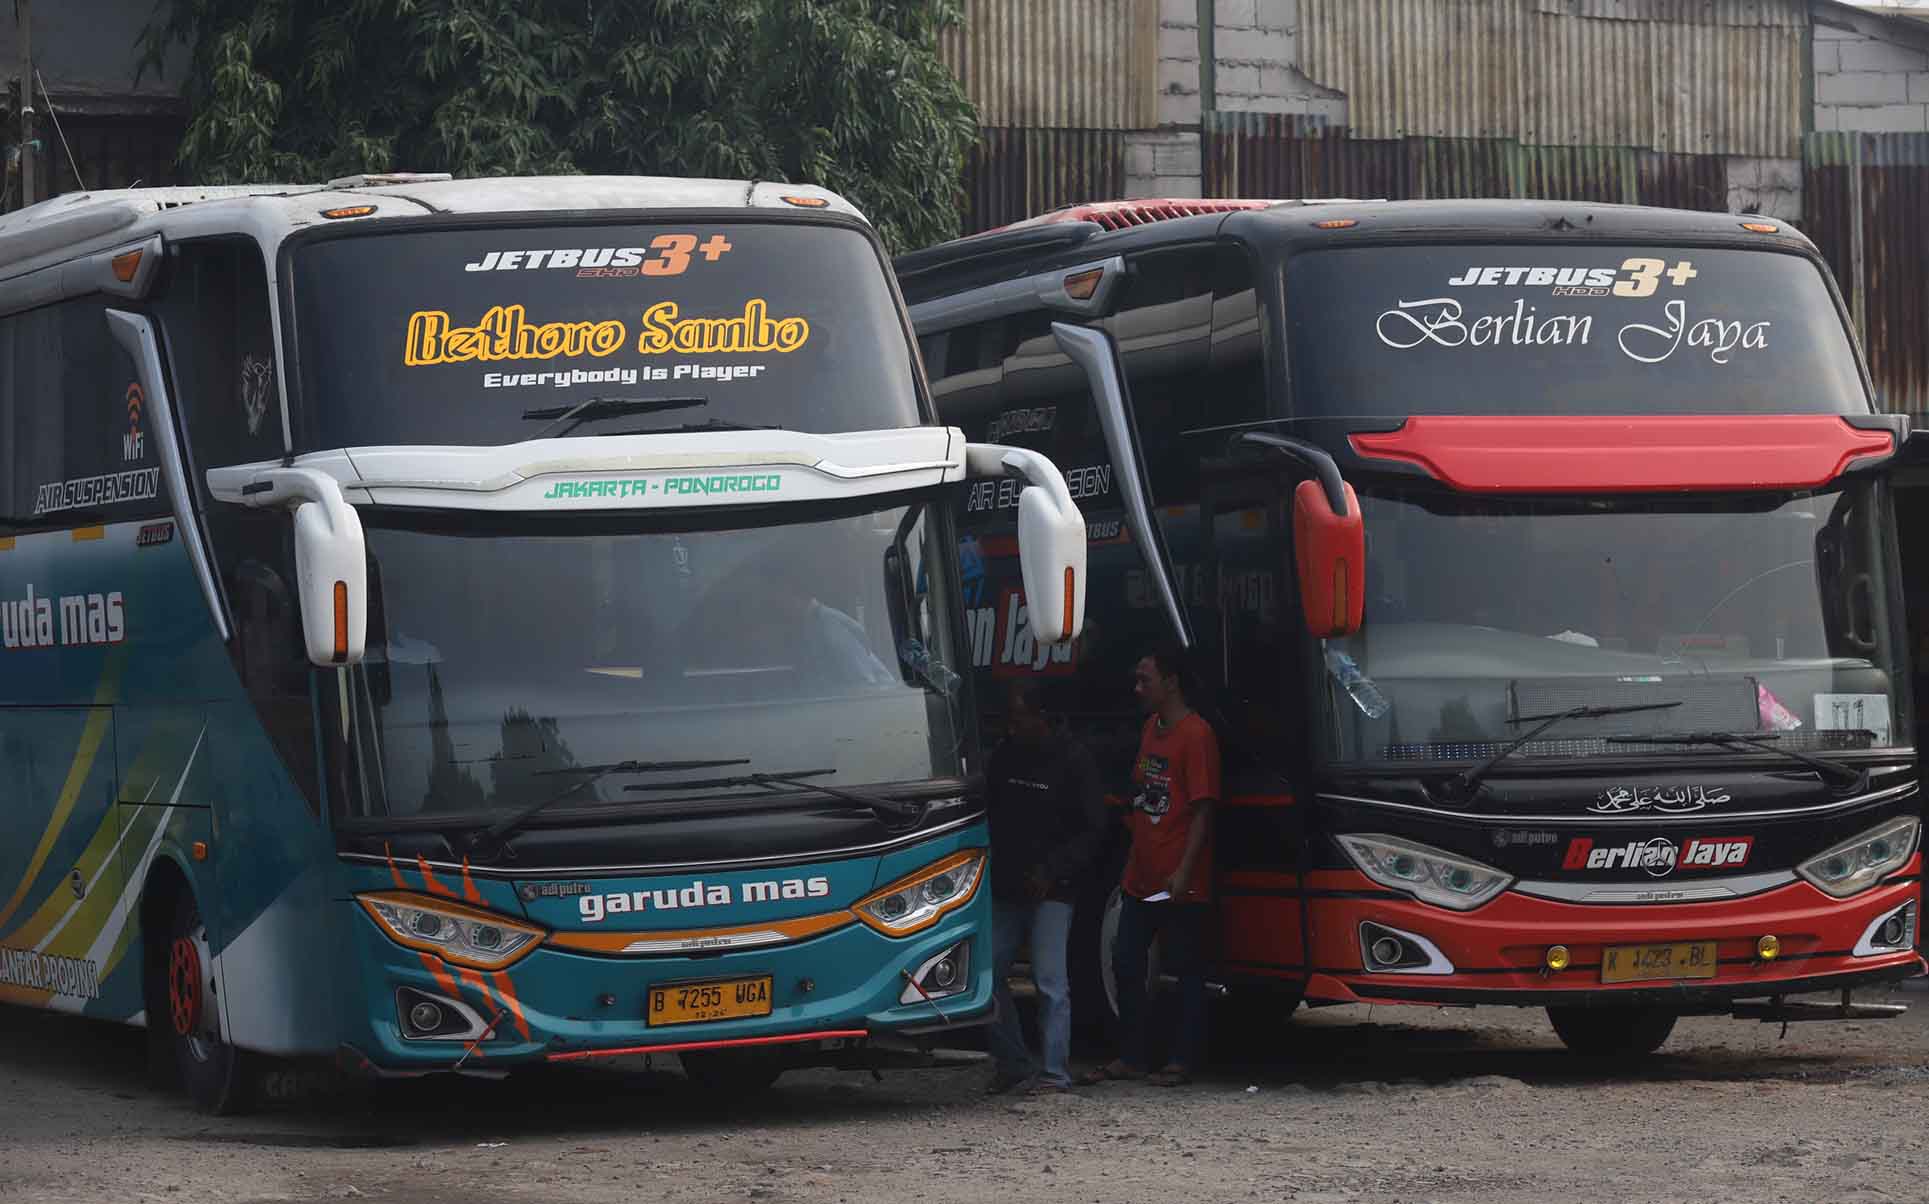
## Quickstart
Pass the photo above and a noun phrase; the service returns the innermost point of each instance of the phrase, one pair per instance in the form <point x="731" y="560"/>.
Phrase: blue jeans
<point x="1048" y="925"/>
<point x="1183" y="955"/>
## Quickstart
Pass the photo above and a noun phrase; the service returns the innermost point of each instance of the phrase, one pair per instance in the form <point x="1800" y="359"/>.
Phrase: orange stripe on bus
<point x="441" y="976"/>
<point x="89" y="534"/>
<point x="400" y="883"/>
<point x="469" y="890"/>
<point x="429" y="879"/>
<point x="507" y="989"/>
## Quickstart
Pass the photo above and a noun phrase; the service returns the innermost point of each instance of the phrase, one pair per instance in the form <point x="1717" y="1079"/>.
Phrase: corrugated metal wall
<point x="1866" y="198"/>
<point x="1268" y="155"/>
<point x="1015" y="174"/>
<point x="1679" y="76"/>
<point x="1057" y="83"/>
<point x="1065" y="64"/>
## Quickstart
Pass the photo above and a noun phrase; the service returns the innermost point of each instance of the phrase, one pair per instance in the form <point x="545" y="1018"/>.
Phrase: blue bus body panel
<point x="552" y="1001"/>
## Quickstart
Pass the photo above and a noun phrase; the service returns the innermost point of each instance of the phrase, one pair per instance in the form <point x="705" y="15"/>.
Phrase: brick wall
<point x="1869" y="76"/>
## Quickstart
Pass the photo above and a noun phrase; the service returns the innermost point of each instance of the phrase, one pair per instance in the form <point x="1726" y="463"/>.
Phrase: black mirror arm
<point x="1307" y="455"/>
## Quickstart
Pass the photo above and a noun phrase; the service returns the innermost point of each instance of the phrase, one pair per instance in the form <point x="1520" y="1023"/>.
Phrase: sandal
<point x="1174" y="1075"/>
<point x="1114" y="1071"/>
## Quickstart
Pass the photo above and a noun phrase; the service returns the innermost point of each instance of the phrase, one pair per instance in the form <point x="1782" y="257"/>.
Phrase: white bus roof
<point x="87" y="222"/>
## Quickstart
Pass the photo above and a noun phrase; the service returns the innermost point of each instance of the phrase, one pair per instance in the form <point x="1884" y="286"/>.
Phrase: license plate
<point x="1645" y="963"/>
<point x="694" y="1002"/>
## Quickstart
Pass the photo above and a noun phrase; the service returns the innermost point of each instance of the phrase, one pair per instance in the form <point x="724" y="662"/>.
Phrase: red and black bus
<point x="1539" y="561"/>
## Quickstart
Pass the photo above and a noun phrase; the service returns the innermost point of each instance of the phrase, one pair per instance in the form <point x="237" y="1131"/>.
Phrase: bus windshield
<point x="505" y="661"/>
<point x="494" y="335"/>
<point x="1758" y="615"/>
<point x="1565" y="329"/>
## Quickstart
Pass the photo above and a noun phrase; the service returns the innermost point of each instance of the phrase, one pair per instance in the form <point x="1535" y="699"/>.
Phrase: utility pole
<point x="23" y="16"/>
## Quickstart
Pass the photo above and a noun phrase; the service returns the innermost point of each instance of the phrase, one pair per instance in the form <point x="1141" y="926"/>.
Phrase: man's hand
<point x="1176" y="884"/>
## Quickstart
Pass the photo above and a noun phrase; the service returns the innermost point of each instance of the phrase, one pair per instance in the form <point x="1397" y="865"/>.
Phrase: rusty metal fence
<point x="1013" y="174"/>
<point x="1283" y="155"/>
<point x="1865" y="199"/>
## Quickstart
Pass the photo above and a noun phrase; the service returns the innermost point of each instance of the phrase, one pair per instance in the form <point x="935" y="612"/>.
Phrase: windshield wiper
<point x="592" y="774"/>
<point x="1856" y="780"/>
<point x="568" y="418"/>
<point x="1463" y="784"/>
<point x="796" y="779"/>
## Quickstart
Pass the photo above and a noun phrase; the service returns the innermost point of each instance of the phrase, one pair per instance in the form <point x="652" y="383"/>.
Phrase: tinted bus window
<point x="1565" y="329"/>
<point x="491" y="335"/>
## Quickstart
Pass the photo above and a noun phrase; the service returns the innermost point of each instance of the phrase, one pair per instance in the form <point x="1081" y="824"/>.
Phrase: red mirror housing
<point x="1331" y="551"/>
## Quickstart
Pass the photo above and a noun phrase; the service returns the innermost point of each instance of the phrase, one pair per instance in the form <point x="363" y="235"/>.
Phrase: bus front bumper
<point x="843" y="998"/>
<point x="1503" y="952"/>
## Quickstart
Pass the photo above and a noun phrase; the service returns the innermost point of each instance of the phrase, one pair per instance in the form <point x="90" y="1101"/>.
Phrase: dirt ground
<point x="1344" y="1105"/>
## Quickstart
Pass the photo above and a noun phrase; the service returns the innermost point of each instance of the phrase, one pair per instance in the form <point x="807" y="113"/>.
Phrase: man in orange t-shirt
<point x="1168" y="873"/>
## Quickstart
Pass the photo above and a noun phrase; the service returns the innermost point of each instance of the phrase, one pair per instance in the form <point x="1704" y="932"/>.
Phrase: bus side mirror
<point x="331" y="573"/>
<point x="1331" y="552"/>
<point x="331" y="556"/>
<point x="1051" y="539"/>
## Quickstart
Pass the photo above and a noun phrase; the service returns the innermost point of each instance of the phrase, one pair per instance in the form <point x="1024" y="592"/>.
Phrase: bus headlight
<point x="1861" y="861"/>
<point x="1426" y="873"/>
<point x="465" y="936"/>
<point x="914" y="903"/>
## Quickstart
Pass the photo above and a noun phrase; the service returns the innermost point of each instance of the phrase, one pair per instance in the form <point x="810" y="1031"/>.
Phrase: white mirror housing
<point x="1051" y="539"/>
<point x="331" y="555"/>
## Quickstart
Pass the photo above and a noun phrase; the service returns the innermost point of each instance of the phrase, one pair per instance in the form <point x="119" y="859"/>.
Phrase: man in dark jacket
<point x="1047" y="816"/>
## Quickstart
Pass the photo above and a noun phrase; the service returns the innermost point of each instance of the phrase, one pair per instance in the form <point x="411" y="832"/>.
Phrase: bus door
<point x="1244" y="618"/>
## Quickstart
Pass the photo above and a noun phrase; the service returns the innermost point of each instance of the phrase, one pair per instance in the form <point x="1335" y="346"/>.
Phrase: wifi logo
<point x="134" y="442"/>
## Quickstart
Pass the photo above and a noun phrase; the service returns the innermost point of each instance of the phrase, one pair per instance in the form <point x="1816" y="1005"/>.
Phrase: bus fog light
<point x="425" y="1017"/>
<point x="1889" y="932"/>
<point x="1385" y="950"/>
<point x="1558" y="958"/>
<point x="1769" y="947"/>
<point x="949" y="973"/>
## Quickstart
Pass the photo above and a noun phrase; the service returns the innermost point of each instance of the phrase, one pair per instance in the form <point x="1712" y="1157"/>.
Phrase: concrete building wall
<point x="1871" y="73"/>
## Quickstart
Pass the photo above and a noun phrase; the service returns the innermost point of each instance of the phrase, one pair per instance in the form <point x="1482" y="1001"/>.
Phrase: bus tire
<point x="1095" y="1013"/>
<point x="218" y="1077"/>
<point x="1612" y="1032"/>
<point x="727" y="1073"/>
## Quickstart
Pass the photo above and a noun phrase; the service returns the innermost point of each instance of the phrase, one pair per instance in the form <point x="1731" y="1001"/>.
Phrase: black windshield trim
<point x="496" y="524"/>
<point x="1579" y="766"/>
<point x="680" y="807"/>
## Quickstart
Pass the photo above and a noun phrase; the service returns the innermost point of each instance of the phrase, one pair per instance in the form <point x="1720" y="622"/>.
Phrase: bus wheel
<point x="215" y="1073"/>
<point x="722" y="1073"/>
<point x="1612" y="1032"/>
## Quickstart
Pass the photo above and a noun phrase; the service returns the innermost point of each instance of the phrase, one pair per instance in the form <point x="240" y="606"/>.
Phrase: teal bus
<point x="454" y="625"/>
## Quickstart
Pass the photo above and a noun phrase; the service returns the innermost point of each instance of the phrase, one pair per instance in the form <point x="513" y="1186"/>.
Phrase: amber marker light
<point x="1762" y="227"/>
<point x="1337" y="223"/>
<point x="348" y="211"/>
<point x="125" y="265"/>
<point x="1558" y="958"/>
<point x="1071" y="591"/>
<point x="1080" y="286"/>
<point x="807" y="202"/>
<point x="341" y="621"/>
<point x="1769" y="947"/>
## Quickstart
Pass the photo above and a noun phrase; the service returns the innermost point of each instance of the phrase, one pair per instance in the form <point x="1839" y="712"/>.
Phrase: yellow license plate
<point x="1645" y="963"/>
<point x="693" y="1002"/>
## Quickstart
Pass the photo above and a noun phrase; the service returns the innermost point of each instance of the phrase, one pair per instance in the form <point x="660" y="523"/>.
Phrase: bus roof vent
<point x="1121" y="215"/>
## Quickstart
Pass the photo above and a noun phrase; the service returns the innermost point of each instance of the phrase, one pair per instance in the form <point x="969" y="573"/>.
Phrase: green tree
<point x="848" y="94"/>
